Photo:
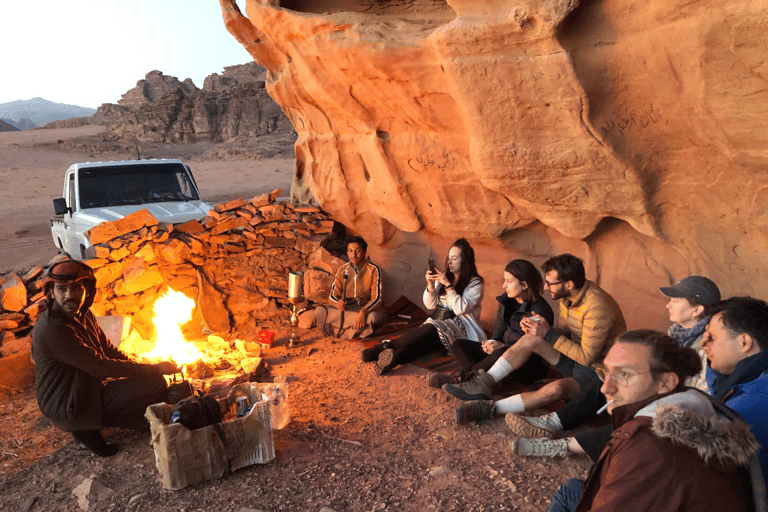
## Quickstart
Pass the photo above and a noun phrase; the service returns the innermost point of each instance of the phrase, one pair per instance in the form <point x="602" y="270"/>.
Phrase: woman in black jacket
<point x="522" y="297"/>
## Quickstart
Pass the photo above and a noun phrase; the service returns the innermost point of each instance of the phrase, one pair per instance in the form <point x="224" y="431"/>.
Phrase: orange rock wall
<point x="628" y="132"/>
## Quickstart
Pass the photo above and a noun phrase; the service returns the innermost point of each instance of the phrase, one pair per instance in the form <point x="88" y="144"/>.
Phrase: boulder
<point x="13" y="293"/>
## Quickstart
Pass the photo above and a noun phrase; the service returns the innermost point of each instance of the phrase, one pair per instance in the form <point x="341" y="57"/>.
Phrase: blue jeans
<point x="567" y="496"/>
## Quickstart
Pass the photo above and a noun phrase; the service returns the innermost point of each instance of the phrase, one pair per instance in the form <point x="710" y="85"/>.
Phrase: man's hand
<point x="167" y="367"/>
<point x="490" y="345"/>
<point x="360" y="318"/>
<point x="341" y="306"/>
<point x="535" y="325"/>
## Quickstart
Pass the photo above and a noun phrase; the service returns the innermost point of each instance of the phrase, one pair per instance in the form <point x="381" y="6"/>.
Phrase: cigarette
<point x="535" y="318"/>
<point x="603" y="408"/>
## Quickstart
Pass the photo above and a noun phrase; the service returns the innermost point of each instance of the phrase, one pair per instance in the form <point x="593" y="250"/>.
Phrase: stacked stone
<point x="234" y="263"/>
<point x="20" y="302"/>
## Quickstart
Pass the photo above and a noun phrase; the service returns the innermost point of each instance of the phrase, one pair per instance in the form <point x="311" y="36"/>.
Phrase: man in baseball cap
<point x="83" y="382"/>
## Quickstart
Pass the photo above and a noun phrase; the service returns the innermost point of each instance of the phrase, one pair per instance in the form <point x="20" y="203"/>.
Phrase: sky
<point x="89" y="52"/>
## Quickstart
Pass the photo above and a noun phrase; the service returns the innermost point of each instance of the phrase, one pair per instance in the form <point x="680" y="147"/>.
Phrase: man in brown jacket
<point x="82" y="381"/>
<point x="670" y="449"/>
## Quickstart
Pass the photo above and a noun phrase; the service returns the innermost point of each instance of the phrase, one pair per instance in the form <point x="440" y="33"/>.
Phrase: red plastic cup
<point x="266" y="338"/>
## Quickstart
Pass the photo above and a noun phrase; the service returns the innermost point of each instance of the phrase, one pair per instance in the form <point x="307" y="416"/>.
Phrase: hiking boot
<point x="369" y="355"/>
<point x="386" y="361"/>
<point x="475" y="410"/>
<point x="539" y="447"/>
<point x="436" y="380"/>
<point x="532" y="426"/>
<point x="93" y="440"/>
<point x="479" y="387"/>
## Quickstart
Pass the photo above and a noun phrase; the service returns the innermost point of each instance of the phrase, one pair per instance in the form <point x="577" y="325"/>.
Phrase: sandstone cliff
<point x="628" y="132"/>
<point x="163" y="109"/>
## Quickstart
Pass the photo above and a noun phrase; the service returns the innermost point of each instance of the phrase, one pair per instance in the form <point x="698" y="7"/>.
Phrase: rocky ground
<point x="356" y="442"/>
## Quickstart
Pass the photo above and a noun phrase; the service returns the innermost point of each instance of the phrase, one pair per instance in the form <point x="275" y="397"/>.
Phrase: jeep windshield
<point x="135" y="184"/>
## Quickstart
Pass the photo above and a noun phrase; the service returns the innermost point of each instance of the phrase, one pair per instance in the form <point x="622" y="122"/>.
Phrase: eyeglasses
<point x="620" y="377"/>
<point x="552" y="284"/>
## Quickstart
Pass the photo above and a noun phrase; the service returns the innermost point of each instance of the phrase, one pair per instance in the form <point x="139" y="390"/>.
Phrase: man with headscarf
<point x="83" y="382"/>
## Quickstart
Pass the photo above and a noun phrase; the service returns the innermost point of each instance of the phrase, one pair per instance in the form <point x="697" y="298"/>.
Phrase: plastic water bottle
<point x="278" y="401"/>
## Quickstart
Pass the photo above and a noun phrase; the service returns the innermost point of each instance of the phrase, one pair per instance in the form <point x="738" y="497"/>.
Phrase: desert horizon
<point x="32" y="165"/>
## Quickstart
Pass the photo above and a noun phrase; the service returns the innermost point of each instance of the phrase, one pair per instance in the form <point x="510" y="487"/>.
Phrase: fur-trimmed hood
<point x="689" y="419"/>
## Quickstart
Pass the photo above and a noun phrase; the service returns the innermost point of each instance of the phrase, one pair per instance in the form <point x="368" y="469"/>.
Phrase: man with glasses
<point x="672" y="448"/>
<point x="588" y="317"/>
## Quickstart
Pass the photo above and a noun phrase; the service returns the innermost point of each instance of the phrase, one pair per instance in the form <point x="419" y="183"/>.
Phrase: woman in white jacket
<point x="454" y="296"/>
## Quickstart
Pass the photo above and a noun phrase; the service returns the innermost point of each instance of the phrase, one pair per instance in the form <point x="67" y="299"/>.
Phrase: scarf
<point x="685" y="337"/>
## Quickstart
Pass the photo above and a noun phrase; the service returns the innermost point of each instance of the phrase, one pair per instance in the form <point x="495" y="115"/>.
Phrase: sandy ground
<point x="32" y="175"/>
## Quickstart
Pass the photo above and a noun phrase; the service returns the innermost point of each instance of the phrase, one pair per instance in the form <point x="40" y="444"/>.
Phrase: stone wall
<point x="234" y="264"/>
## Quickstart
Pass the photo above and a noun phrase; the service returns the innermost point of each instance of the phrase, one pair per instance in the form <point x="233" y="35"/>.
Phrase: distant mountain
<point x="40" y="111"/>
<point x="21" y="124"/>
<point x="7" y="127"/>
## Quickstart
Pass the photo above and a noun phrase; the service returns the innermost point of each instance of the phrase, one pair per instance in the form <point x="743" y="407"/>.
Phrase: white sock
<point x="500" y="369"/>
<point x="512" y="404"/>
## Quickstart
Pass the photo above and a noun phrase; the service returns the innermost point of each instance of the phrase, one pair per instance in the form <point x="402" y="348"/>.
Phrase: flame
<point x="172" y="310"/>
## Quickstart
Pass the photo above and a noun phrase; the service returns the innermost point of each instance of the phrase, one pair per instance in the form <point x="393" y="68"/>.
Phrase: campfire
<point x="198" y="358"/>
<point x="172" y="310"/>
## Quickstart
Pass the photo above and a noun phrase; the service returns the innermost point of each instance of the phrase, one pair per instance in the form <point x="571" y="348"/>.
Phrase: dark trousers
<point x="415" y="343"/>
<point x="593" y="440"/>
<point x="124" y="401"/>
<point x="471" y="356"/>
<point x="584" y="408"/>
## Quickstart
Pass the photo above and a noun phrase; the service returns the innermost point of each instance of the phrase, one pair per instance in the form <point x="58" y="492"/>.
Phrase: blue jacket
<point x="746" y="392"/>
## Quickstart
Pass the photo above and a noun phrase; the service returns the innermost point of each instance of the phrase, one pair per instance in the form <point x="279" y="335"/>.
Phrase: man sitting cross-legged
<point x="588" y="317"/>
<point x="356" y="296"/>
<point x="672" y="448"/>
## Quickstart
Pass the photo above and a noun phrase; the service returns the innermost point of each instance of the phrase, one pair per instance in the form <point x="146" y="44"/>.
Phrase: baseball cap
<point x="699" y="288"/>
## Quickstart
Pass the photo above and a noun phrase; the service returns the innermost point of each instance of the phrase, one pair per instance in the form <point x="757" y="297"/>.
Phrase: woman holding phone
<point x="454" y="296"/>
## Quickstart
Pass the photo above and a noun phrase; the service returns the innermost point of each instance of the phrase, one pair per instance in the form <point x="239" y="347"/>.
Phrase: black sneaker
<point x="386" y="361"/>
<point x="93" y="440"/>
<point x="369" y="355"/>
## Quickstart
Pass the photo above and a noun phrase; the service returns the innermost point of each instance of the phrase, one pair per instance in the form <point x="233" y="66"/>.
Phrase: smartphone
<point x="432" y="268"/>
